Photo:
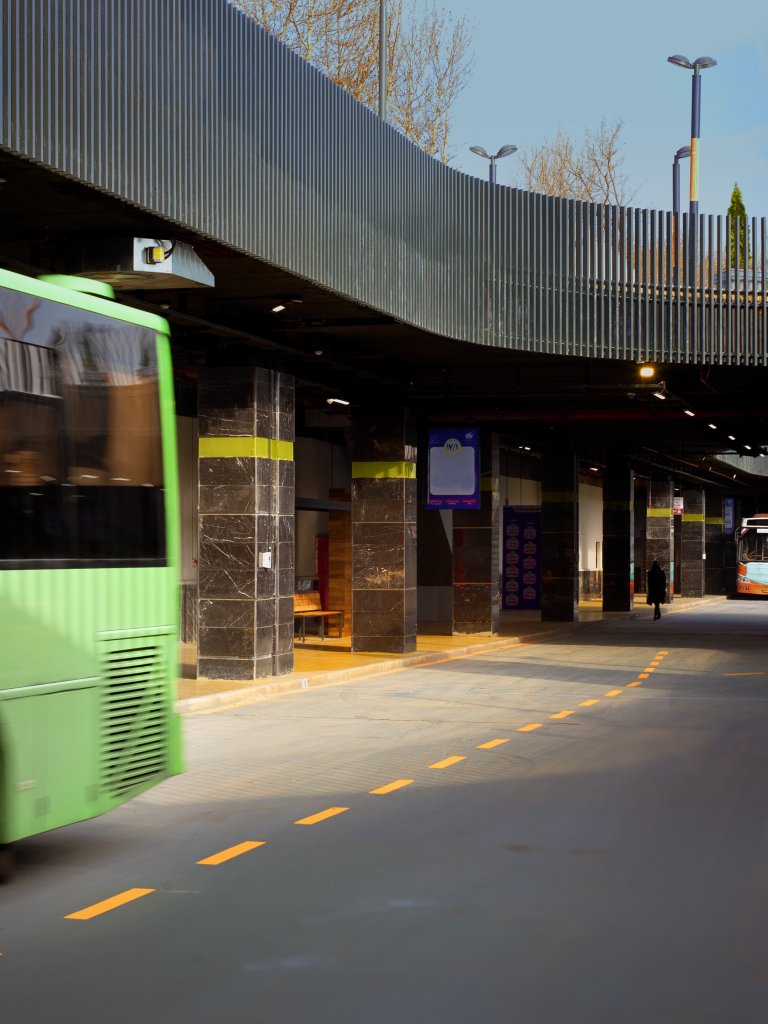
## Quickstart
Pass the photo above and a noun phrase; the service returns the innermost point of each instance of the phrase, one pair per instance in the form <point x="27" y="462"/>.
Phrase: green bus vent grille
<point x="134" y="715"/>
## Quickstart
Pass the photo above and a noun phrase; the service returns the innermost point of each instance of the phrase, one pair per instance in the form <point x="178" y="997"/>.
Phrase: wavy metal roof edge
<point x="191" y="111"/>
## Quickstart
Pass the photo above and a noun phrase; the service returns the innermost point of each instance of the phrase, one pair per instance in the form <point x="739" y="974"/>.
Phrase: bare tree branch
<point x="428" y="58"/>
<point x="591" y="171"/>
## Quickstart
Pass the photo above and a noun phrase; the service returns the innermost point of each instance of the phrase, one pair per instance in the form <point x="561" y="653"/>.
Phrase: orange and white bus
<point x="752" y="554"/>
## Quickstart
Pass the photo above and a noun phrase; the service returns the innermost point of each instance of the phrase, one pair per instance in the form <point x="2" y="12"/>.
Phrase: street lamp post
<point x="697" y="66"/>
<point x="681" y="154"/>
<point x="504" y="151"/>
<point x="490" y="270"/>
<point x="383" y="59"/>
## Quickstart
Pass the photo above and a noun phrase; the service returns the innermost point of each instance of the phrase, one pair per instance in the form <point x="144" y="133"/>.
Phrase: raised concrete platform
<point x="321" y="663"/>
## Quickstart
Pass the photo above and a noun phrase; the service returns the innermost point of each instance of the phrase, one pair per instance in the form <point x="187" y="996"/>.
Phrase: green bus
<point x="88" y="554"/>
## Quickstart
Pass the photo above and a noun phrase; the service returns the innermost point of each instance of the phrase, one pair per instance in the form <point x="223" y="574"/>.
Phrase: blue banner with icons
<point x="521" y="530"/>
<point x="454" y="467"/>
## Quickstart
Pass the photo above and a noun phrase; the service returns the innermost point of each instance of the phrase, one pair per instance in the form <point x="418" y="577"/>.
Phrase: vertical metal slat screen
<point x="189" y="110"/>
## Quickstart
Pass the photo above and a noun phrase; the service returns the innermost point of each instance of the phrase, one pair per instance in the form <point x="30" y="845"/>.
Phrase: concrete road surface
<point x="573" y="829"/>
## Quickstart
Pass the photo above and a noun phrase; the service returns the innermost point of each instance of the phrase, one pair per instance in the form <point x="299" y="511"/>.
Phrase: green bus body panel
<point x="89" y="655"/>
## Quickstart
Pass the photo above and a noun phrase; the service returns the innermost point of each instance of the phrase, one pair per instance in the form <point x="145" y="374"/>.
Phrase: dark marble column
<point x="559" y="536"/>
<point x="714" y="543"/>
<point x="618" y="536"/>
<point x="692" y="543"/>
<point x="476" y="589"/>
<point x="246" y="520"/>
<point x="384" y="531"/>
<point x="659" y="528"/>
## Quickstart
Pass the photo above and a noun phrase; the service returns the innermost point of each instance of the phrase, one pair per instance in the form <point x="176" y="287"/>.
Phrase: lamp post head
<point x="480" y="151"/>
<point x="683" y="152"/>
<point x="506" y="151"/>
<point x="696" y="65"/>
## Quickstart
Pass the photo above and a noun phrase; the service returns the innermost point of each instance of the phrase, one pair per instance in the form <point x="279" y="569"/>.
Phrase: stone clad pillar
<point x="246" y="522"/>
<point x="659" y="528"/>
<point x="618" y="537"/>
<point x="384" y="531"/>
<point x="559" y="536"/>
<point x="476" y="590"/>
<point x="714" y="544"/>
<point x="692" y="543"/>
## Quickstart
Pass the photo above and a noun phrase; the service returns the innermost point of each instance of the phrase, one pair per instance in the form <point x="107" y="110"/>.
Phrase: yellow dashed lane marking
<point x="649" y="668"/>
<point x="491" y="744"/>
<point x="637" y="682"/>
<point x="643" y="675"/>
<point x="663" y="652"/>
<point x="588" y="703"/>
<point x="115" y="901"/>
<point x="391" y="787"/>
<point x="447" y="762"/>
<point x="613" y="693"/>
<point x="562" y="714"/>
<point x="530" y="728"/>
<point x="313" y="819"/>
<point x="230" y="852"/>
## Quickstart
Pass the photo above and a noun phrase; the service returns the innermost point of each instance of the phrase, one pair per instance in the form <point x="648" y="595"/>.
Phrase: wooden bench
<point x="306" y="605"/>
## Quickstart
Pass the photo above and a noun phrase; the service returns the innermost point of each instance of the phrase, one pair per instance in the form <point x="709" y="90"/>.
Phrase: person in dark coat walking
<point x="657" y="588"/>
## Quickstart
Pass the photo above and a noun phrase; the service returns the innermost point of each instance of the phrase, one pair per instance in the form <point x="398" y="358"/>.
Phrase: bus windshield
<point x="753" y="544"/>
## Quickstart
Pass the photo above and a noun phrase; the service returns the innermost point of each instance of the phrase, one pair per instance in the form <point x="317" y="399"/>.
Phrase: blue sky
<point x="542" y="65"/>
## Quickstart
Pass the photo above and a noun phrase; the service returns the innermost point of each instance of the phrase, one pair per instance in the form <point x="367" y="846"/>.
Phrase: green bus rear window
<point x="81" y="479"/>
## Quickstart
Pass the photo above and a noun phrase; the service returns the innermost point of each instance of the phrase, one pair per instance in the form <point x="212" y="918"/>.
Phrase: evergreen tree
<point x="739" y="229"/>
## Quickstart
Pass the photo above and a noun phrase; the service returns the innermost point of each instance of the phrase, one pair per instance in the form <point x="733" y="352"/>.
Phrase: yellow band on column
<point x="383" y="470"/>
<point x="245" y="448"/>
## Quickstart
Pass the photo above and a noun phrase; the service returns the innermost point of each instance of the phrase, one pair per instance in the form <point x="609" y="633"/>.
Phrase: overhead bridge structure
<point x="347" y="263"/>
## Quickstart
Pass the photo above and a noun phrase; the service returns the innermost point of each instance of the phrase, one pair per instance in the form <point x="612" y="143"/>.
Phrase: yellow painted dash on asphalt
<point x="649" y="668"/>
<point x="562" y="714"/>
<point x="230" y="852"/>
<point x="101" y="908"/>
<point x="613" y="693"/>
<point x="313" y="819"/>
<point x="588" y="703"/>
<point x="663" y="652"/>
<point x="531" y="727"/>
<point x="447" y="762"/>
<point x="637" y="682"/>
<point x="391" y="787"/>
<point x="743" y="673"/>
<point x="643" y="675"/>
<point x="491" y="744"/>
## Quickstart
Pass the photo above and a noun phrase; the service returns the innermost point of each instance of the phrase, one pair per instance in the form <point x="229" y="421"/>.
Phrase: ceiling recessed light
<point x="688" y="412"/>
<point x="712" y="426"/>
<point x="731" y="437"/>
<point x="278" y="308"/>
